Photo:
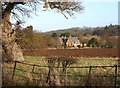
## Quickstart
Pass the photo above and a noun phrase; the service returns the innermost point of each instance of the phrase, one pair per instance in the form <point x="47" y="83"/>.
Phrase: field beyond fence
<point x="49" y="73"/>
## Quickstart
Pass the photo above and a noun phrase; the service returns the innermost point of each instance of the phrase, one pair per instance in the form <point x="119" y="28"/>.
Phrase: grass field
<point x="74" y="76"/>
<point x="81" y="61"/>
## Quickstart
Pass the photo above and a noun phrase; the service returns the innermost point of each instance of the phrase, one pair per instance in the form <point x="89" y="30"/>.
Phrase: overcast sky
<point x="95" y="14"/>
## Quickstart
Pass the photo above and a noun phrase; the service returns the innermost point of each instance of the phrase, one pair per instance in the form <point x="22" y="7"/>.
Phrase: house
<point x="70" y="41"/>
<point x="73" y="42"/>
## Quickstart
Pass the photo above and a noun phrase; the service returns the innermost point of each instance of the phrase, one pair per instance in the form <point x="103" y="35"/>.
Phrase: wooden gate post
<point x="89" y="76"/>
<point x="33" y="68"/>
<point x="14" y="69"/>
<point x="115" y="75"/>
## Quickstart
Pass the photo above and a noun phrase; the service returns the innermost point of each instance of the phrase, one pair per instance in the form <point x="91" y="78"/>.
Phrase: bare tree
<point x="24" y="8"/>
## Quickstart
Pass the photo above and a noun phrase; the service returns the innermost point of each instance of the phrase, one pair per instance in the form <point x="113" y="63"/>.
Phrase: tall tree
<point x="16" y="8"/>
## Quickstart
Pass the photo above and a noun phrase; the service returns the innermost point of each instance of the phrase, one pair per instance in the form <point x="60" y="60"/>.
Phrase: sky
<point x="95" y="14"/>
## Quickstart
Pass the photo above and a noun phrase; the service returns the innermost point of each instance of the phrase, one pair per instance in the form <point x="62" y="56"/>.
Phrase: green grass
<point x="82" y="61"/>
<point x="35" y="60"/>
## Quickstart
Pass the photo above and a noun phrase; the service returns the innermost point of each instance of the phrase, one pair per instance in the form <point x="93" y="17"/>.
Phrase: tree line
<point x="108" y="35"/>
<point x="28" y="38"/>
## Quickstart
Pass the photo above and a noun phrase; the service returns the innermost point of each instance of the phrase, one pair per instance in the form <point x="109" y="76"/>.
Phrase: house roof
<point x="74" y="39"/>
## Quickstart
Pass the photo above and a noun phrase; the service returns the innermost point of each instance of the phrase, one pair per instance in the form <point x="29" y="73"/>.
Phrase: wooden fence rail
<point x="89" y="73"/>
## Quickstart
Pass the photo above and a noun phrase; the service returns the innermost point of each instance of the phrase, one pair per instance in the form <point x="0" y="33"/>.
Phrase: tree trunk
<point x="9" y="44"/>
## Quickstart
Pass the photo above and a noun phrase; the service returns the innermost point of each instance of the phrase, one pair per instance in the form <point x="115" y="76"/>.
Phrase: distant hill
<point x="70" y="30"/>
<point x="111" y="30"/>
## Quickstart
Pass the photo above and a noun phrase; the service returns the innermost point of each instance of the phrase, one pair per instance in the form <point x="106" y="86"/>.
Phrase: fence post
<point x="48" y="78"/>
<point x="115" y="75"/>
<point x="14" y="69"/>
<point x="33" y="68"/>
<point x="89" y="76"/>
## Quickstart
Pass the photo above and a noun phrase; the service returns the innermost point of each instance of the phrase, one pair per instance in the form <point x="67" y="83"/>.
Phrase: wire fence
<point x="71" y="76"/>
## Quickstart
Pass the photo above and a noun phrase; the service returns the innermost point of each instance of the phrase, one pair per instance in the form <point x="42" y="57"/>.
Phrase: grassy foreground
<point x="75" y="76"/>
<point x="82" y="61"/>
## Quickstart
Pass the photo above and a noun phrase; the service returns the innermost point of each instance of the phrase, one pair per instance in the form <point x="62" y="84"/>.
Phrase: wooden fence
<point x="115" y="67"/>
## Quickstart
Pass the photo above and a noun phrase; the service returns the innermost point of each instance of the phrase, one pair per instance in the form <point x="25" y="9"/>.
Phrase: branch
<point x="64" y="15"/>
<point x="10" y="7"/>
